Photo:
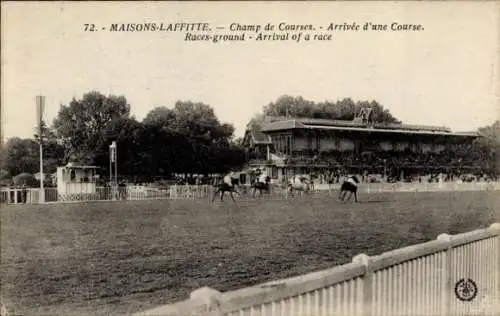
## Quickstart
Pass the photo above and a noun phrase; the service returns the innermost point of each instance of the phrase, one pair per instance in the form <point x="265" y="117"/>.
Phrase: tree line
<point x="186" y="138"/>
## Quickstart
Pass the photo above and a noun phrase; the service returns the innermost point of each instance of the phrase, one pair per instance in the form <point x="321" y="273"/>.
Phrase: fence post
<point x="496" y="226"/>
<point x="367" y="304"/>
<point x="447" y="286"/>
<point x="211" y="299"/>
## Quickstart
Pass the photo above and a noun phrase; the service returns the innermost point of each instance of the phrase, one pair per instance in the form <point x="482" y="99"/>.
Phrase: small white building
<point x="76" y="180"/>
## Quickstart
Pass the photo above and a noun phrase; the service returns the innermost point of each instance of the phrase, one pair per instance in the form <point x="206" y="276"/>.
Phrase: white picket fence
<point x="32" y="196"/>
<point x="452" y="275"/>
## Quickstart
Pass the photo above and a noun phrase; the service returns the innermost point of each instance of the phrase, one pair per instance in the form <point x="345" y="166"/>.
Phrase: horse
<point x="261" y="186"/>
<point x="223" y="187"/>
<point x="298" y="184"/>
<point x="349" y="186"/>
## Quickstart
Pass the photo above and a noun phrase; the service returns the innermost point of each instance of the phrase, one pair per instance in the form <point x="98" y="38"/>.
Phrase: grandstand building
<point x="288" y="146"/>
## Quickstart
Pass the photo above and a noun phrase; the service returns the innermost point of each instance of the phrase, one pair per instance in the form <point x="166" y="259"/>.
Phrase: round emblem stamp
<point x="466" y="290"/>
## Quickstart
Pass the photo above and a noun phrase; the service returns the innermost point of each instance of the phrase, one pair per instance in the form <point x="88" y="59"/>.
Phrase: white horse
<point x="298" y="183"/>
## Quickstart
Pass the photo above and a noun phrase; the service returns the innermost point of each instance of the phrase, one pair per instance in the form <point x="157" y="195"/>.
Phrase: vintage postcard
<point x="250" y="158"/>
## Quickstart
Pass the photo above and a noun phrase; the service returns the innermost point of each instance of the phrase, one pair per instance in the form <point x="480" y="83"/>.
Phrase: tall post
<point x="42" y="190"/>
<point x="40" y="105"/>
<point x="112" y="160"/>
<point x="110" y="167"/>
<point x="116" y="165"/>
<point x="385" y="168"/>
<point x="367" y="305"/>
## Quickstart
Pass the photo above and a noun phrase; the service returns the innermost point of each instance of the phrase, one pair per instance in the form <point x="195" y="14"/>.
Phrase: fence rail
<point x="452" y="275"/>
<point x="32" y="196"/>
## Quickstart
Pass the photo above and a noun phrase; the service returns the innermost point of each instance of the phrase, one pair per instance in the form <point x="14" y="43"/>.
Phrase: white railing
<point x="32" y="196"/>
<point x="19" y="196"/>
<point x="424" y="279"/>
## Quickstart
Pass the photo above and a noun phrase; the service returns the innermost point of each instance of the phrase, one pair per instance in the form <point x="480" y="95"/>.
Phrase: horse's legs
<point x="231" y="194"/>
<point x="355" y="197"/>
<point x="350" y="196"/>
<point x="215" y="194"/>
<point x="344" y="195"/>
<point x="341" y="195"/>
<point x="222" y="195"/>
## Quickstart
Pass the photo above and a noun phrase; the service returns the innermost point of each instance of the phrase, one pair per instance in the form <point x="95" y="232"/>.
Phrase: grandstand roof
<point x="308" y="123"/>
<point x="257" y="135"/>
<point x="70" y="165"/>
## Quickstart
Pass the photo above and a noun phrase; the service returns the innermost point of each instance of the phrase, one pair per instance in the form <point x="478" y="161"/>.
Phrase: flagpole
<point x="42" y="192"/>
<point x="40" y="107"/>
<point x="116" y="166"/>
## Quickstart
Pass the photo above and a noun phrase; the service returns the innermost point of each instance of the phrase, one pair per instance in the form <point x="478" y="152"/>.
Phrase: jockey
<point x="262" y="177"/>
<point x="228" y="179"/>
<point x="352" y="181"/>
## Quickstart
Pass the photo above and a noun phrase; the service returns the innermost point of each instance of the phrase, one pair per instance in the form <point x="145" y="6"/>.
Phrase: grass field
<point x="118" y="258"/>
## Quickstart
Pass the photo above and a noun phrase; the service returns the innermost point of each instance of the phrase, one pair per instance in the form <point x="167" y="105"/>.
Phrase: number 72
<point x="89" y="27"/>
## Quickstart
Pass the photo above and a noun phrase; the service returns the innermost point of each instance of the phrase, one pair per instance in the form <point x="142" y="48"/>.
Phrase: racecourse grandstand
<point x="398" y="152"/>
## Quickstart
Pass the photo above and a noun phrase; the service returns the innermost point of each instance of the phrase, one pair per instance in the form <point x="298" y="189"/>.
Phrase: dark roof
<point x="383" y="130"/>
<point x="282" y="125"/>
<point x="309" y="123"/>
<point x="257" y="135"/>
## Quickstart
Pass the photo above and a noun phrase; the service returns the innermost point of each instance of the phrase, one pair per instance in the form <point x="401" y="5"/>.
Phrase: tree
<point x="53" y="151"/>
<point x="206" y="139"/>
<point x="20" y="155"/>
<point x="159" y="116"/>
<point x="125" y="131"/>
<point x="160" y="143"/>
<point x="186" y="139"/>
<point x="490" y="137"/>
<point x="345" y="109"/>
<point x="488" y="145"/>
<point x="47" y="133"/>
<point x="290" y="106"/>
<point x="80" y="124"/>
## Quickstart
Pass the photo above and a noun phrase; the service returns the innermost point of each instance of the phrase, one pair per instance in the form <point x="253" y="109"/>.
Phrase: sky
<point x="447" y="74"/>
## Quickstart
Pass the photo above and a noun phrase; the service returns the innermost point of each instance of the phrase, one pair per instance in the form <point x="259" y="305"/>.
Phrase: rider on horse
<point x="227" y="185"/>
<point x="298" y="183"/>
<point x="263" y="178"/>
<point x="261" y="183"/>
<point x="228" y="179"/>
<point x="350" y="185"/>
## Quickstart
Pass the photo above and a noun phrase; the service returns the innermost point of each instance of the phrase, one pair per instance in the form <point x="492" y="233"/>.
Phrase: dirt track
<point x="116" y="258"/>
